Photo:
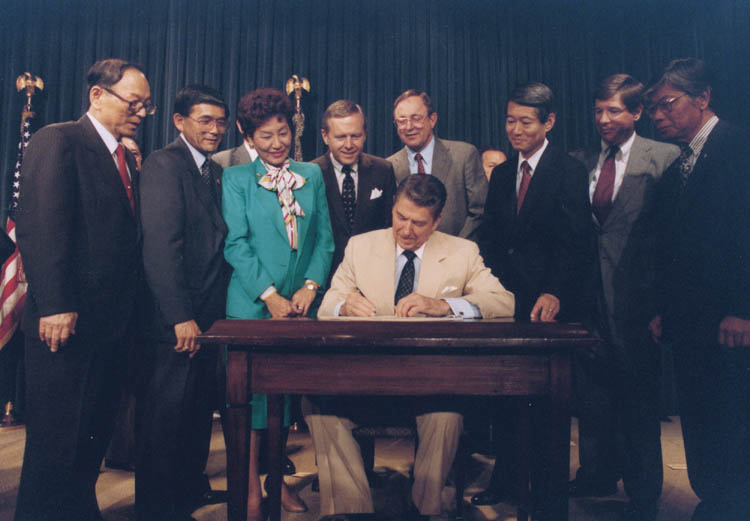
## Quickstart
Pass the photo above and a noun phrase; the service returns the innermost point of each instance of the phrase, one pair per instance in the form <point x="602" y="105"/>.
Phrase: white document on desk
<point x="394" y="318"/>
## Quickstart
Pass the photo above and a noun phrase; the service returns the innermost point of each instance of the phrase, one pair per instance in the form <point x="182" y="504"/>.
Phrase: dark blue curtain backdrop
<point x="468" y="54"/>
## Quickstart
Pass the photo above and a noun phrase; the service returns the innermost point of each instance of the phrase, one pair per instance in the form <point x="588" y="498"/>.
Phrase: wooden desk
<point x="304" y="356"/>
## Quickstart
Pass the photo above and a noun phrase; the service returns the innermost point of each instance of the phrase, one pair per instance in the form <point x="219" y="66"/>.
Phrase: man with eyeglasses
<point x="78" y="236"/>
<point x="183" y="257"/>
<point x="455" y="163"/>
<point x="701" y="303"/>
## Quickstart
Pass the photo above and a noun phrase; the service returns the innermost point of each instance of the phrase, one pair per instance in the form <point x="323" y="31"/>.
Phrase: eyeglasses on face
<point x="664" y="105"/>
<point x="417" y="120"/>
<point x="134" y="107"/>
<point x="207" y="122"/>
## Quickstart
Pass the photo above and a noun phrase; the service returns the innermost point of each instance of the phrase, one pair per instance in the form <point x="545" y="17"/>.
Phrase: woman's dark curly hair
<point x="258" y="106"/>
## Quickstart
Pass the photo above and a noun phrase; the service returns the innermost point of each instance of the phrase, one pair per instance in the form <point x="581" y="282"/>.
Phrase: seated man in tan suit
<point x="407" y="270"/>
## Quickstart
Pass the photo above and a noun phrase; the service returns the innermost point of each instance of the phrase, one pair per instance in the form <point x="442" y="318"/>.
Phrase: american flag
<point x="13" y="282"/>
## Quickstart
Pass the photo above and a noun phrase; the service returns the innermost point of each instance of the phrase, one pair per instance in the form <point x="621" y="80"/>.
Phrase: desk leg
<point x="524" y="459"/>
<point x="559" y="451"/>
<point x="238" y="435"/>
<point x="274" y="456"/>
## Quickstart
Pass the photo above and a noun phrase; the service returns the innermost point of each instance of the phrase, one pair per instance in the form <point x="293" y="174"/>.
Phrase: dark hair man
<point x="407" y="270"/>
<point x="455" y="163"/>
<point x="183" y="256"/>
<point x="491" y="157"/>
<point x="535" y="238"/>
<point x="359" y="187"/>
<point x="619" y="427"/>
<point x="78" y="236"/>
<point x="702" y="297"/>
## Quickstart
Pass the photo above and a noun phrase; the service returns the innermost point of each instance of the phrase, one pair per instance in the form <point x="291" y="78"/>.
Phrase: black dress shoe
<point x="211" y="497"/>
<point x="413" y="514"/>
<point x="492" y="497"/>
<point x="591" y="488"/>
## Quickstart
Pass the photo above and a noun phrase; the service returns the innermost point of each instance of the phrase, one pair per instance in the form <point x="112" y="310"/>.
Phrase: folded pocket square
<point x="376" y="192"/>
<point x="448" y="289"/>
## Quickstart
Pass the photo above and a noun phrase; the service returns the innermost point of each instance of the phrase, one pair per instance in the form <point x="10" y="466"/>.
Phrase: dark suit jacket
<point x="183" y="240"/>
<point x="704" y="241"/>
<point x="77" y="233"/>
<point x="458" y="166"/>
<point x="543" y="249"/>
<point x="375" y="188"/>
<point x="623" y="263"/>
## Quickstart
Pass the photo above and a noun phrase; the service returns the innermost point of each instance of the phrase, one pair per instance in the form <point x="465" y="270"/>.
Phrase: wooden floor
<point x="115" y="488"/>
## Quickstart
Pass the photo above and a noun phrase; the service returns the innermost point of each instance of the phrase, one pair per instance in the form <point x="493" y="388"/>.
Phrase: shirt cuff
<point x="463" y="308"/>
<point x="337" y="309"/>
<point x="270" y="290"/>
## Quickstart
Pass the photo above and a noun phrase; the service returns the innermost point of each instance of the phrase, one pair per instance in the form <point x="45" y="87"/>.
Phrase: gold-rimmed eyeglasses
<point x="417" y="120"/>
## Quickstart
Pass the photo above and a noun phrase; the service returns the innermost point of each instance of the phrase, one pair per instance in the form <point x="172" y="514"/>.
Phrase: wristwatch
<point x="311" y="286"/>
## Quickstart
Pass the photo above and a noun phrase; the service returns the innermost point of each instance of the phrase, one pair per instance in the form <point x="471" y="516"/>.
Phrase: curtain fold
<point x="467" y="55"/>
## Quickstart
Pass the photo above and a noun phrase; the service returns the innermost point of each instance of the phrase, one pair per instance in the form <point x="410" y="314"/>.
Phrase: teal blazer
<point x="257" y="246"/>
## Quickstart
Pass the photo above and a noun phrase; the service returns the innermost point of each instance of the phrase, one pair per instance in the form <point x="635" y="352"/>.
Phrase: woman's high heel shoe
<point x="290" y="501"/>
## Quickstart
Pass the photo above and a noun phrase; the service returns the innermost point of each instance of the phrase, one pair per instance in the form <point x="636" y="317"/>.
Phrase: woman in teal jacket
<point x="279" y="243"/>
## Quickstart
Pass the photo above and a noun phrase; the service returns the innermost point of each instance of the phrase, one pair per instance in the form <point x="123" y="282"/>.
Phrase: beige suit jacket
<point x="451" y="268"/>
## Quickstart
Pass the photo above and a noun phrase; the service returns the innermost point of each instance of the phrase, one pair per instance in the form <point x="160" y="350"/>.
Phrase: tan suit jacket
<point x="451" y="268"/>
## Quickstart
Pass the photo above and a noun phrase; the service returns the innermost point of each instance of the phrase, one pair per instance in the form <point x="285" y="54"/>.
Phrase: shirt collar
<point x="624" y="147"/>
<point x="534" y="159"/>
<point x="338" y="166"/>
<point x="251" y="151"/>
<point x="109" y="139"/>
<point x="418" y="252"/>
<point x="426" y="153"/>
<point x="696" y="144"/>
<point x="198" y="157"/>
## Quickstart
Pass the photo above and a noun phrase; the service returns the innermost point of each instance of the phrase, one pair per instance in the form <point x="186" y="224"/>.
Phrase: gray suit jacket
<point x="232" y="157"/>
<point x="458" y="166"/>
<point x="625" y="264"/>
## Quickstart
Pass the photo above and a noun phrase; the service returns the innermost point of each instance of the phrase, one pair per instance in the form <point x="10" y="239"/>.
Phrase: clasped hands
<point x="298" y="306"/>
<point x="356" y="305"/>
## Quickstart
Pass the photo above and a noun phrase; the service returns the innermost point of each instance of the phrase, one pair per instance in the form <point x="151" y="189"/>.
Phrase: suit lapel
<point x="336" y="209"/>
<point x="364" y="187"/>
<point x="401" y="165"/>
<point x="304" y="197"/>
<point x="204" y="193"/>
<point x="539" y="181"/>
<point x="431" y="269"/>
<point x="630" y="194"/>
<point x="384" y="271"/>
<point x="441" y="161"/>
<point x="104" y="162"/>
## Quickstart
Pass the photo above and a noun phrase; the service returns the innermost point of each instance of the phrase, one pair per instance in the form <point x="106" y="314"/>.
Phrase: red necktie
<point x="605" y="187"/>
<point x="420" y="164"/>
<point x="124" y="177"/>
<point x="525" y="180"/>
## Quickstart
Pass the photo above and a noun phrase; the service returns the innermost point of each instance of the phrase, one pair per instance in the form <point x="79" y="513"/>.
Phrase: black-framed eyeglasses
<point x="207" y="122"/>
<point x="134" y="107"/>
<point x="665" y="105"/>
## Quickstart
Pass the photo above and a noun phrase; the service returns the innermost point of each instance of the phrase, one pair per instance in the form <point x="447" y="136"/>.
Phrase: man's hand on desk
<point x="357" y="306"/>
<point x="734" y="332"/>
<point x="546" y="308"/>
<point x="55" y="330"/>
<point x="413" y="304"/>
<point x="186" y="333"/>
